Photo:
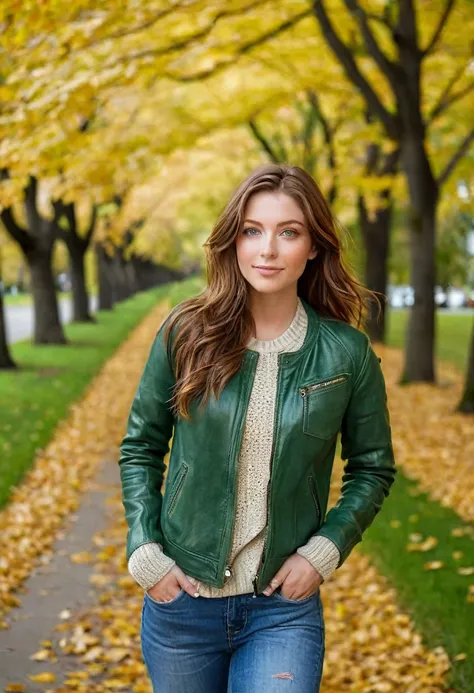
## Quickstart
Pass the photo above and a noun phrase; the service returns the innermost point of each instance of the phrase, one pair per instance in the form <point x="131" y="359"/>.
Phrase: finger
<point x="276" y="581"/>
<point x="271" y="587"/>
<point x="188" y="586"/>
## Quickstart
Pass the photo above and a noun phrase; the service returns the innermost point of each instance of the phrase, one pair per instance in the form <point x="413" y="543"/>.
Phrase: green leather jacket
<point x="333" y="383"/>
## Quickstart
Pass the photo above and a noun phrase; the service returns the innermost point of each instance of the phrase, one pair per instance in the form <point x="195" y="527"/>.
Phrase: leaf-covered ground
<point x="433" y="443"/>
<point x="371" y="643"/>
<point x="52" y="489"/>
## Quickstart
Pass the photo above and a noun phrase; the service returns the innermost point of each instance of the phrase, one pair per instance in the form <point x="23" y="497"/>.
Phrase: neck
<point x="273" y="313"/>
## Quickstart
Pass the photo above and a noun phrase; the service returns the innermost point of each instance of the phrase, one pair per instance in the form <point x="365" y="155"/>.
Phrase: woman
<point x="255" y="377"/>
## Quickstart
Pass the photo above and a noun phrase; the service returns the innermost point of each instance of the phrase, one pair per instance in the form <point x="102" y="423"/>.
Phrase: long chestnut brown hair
<point x="213" y="328"/>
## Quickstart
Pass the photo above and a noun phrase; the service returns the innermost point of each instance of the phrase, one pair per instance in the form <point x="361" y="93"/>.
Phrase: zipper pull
<point x="254" y="582"/>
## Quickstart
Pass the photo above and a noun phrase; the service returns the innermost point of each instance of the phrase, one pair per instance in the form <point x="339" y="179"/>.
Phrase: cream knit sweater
<point x="148" y="564"/>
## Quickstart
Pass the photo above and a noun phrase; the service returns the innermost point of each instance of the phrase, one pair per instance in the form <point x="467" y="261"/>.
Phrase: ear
<point x="312" y="253"/>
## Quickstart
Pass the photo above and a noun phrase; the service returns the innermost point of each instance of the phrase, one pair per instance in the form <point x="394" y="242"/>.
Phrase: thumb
<point x="186" y="584"/>
<point x="277" y="580"/>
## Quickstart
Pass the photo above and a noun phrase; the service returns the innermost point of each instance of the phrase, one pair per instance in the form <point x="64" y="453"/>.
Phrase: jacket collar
<point x="312" y="331"/>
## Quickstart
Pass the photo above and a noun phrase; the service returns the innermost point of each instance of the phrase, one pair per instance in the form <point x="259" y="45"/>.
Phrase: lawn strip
<point x="52" y="377"/>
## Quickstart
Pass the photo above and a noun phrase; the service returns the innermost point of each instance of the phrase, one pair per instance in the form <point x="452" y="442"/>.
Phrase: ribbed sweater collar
<point x="290" y="340"/>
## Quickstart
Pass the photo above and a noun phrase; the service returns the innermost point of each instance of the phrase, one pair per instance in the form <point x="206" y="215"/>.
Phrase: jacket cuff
<point x="148" y="564"/>
<point x="322" y="553"/>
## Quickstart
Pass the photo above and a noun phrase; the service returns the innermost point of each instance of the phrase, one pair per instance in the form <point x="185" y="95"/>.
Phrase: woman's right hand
<point x="170" y="586"/>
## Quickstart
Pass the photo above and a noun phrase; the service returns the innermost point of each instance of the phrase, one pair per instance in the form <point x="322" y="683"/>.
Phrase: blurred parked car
<point x="403" y="296"/>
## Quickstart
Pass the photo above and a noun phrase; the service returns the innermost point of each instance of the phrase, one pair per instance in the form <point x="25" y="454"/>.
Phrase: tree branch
<point x="17" y="232"/>
<point x="457" y="156"/>
<point x="345" y="57"/>
<point x="439" y="29"/>
<point x="241" y="50"/>
<point x="32" y="215"/>
<point x="446" y="99"/>
<point x="198" y="37"/>
<point x="328" y="134"/>
<point x="91" y="227"/>
<point x="388" y="68"/>
<point x="260" y="137"/>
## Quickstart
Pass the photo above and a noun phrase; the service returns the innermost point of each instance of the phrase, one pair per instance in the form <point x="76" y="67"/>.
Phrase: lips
<point x="268" y="271"/>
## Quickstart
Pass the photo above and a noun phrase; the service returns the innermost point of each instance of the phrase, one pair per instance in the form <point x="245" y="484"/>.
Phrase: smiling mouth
<point x="267" y="268"/>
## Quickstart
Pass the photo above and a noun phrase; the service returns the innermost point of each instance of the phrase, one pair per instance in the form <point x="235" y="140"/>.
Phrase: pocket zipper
<point x="314" y="493"/>
<point x="178" y="488"/>
<point x="309" y="388"/>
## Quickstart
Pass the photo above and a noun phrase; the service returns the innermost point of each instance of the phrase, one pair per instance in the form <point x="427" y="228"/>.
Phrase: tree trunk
<point x="466" y="404"/>
<point x="420" y="340"/>
<point x="36" y="243"/>
<point x="121" y="287"/>
<point x="6" y="361"/>
<point x="80" y="297"/>
<point x="376" y="235"/>
<point x="104" y="274"/>
<point x="20" y="281"/>
<point x="47" y="328"/>
<point x="131" y="277"/>
<point x="77" y="246"/>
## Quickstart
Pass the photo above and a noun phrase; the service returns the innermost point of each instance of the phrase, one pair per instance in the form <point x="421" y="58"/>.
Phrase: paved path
<point x="19" y="319"/>
<point x="54" y="586"/>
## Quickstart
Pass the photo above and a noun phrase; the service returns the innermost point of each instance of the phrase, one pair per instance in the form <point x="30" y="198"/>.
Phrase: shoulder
<point x="346" y="337"/>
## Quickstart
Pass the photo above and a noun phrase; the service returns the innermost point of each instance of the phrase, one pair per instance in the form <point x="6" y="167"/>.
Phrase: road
<point x="19" y="319"/>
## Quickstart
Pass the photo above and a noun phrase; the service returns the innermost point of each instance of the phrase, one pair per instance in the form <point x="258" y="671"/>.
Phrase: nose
<point x="269" y="246"/>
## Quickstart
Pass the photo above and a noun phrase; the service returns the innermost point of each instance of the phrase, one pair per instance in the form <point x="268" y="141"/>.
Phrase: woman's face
<point x="274" y="234"/>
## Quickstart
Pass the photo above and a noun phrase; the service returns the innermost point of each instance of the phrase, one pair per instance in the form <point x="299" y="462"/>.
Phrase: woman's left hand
<point x="297" y="577"/>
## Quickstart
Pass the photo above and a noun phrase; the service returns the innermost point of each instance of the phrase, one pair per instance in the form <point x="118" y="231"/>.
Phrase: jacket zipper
<point x="309" y="388"/>
<point x="228" y="568"/>
<point x="262" y="557"/>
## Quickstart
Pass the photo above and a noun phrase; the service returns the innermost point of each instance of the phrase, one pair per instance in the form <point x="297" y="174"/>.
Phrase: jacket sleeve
<point x="367" y="446"/>
<point x="144" y="446"/>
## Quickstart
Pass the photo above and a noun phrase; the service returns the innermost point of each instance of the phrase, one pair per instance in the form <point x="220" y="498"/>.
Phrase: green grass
<point x="453" y="333"/>
<point x="51" y="378"/>
<point x="435" y="599"/>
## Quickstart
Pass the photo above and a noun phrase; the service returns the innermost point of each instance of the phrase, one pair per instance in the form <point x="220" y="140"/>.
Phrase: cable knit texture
<point x="148" y="563"/>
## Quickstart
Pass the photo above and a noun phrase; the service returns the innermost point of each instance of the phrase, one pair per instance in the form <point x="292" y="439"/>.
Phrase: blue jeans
<point x="239" y="644"/>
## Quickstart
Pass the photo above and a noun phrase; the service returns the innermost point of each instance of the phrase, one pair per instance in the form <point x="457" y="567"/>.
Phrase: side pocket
<point x="314" y="492"/>
<point x="177" y="489"/>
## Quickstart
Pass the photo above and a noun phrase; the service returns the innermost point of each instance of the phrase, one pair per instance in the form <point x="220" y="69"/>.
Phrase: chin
<point x="266" y="287"/>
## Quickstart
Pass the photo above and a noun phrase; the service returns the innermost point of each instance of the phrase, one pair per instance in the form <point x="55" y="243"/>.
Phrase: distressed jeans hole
<point x="286" y="675"/>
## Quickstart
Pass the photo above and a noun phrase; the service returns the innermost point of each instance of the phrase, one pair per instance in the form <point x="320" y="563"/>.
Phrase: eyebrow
<point x="282" y="223"/>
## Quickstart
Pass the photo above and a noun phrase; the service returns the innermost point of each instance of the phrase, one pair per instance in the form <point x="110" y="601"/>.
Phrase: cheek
<point x="296" y="256"/>
<point x="244" y="252"/>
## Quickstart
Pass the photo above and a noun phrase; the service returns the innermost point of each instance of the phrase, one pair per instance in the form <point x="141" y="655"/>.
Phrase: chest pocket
<point x="324" y="404"/>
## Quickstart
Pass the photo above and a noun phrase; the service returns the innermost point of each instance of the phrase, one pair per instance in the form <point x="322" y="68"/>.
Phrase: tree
<point x="77" y="245"/>
<point x="406" y="124"/>
<point x="36" y="243"/>
<point x="6" y="361"/>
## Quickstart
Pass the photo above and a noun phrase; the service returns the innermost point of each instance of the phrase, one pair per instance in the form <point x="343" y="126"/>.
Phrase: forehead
<point x="272" y="207"/>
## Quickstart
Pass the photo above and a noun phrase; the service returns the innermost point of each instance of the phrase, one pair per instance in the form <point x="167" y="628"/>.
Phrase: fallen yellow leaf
<point x="44" y="677"/>
<point x="433" y="565"/>
<point x="82" y="557"/>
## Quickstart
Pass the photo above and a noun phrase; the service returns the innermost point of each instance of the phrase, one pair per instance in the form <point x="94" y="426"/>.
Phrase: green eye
<point x="292" y="231"/>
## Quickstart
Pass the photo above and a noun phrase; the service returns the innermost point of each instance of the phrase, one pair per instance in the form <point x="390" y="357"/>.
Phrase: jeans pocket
<point x="171" y="601"/>
<point x="279" y="596"/>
